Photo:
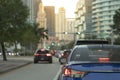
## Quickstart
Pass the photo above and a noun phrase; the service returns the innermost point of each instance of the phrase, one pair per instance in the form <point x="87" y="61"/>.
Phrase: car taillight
<point x="48" y="55"/>
<point x="62" y="54"/>
<point x="73" y="73"/>
<point x="36" y="54"/>
<point x="104" y="60"/>
<point x="67" y="72"/>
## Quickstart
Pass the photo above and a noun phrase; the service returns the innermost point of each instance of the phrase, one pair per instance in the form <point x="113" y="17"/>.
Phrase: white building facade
<point x="102" y="16"/>
<point x="83" y="15"/>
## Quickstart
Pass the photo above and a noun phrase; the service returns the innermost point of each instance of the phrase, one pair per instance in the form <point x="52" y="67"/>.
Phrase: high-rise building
<point x="60" y="23"/>
<point x="33" y="8"/>
<point x="36" y="8"/>
<point x="70" y="28"/>
<point x="83" y="15"/>
<point x="41" y="16"/>
<point x="102" y="16"/>
<point x="50" y="16"/>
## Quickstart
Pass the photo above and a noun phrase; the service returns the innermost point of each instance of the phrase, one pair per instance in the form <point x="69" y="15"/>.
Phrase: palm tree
<point x="41" y="34"/>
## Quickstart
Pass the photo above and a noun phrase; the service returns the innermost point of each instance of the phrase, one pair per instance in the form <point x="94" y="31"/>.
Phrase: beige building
<point x="60" y="23"/>
<point x="70" y="28"/>
<point x="41" y="16"/>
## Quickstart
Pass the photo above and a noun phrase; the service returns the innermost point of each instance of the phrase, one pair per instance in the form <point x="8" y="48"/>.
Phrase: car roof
<point x="94" y="45"/>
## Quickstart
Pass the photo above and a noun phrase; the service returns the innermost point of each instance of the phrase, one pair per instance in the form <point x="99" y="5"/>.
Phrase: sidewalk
<point x="9" y="65"/>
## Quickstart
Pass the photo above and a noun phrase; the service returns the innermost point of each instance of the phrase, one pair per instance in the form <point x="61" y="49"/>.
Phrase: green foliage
<point x="117" y="41"/>
<point x="116" y="18"/>
<point x="29" y="34"/>
<point x="116" y="26"/>
<point x="13" y="15"/>
<point x="116" y="21"/>
<point x="63" y="47"/>
<point x="70" y="45"/>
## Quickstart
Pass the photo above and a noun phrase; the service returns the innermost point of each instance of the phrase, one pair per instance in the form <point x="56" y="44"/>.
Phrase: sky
<point x="69" y="6"/>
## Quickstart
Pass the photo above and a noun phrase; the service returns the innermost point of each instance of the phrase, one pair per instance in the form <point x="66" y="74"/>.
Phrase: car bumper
<point x="96" y="76"/>
<point x="42" y="58"/>
<point x="102" y="76"/>
<point x="68" y="78"/>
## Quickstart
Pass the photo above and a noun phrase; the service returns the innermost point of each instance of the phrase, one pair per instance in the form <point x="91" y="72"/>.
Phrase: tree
<point x="13" y="16"/>
<point x="116" y="21"/>
<point x="117" y="41"/>
<point x="33" y="35"/>
<point x="116" y="25"/>
<point x="70" y="45"/>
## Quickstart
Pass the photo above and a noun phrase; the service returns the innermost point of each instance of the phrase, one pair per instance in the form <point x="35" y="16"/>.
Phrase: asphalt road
<point x="40" y="71"/>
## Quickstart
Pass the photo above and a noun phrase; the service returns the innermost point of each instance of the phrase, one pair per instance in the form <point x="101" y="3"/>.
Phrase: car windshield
<point x="96" y="54"/>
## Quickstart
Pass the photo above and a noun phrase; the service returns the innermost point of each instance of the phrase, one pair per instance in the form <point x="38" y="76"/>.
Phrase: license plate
<point x="42" y="58"/>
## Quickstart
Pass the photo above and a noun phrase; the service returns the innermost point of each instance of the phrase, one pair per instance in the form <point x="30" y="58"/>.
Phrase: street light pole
<point x="112" y="36"/>
<point x="74" y="35"/>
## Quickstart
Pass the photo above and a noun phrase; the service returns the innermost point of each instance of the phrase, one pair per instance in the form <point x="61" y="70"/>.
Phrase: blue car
<point x="92" y="62"/>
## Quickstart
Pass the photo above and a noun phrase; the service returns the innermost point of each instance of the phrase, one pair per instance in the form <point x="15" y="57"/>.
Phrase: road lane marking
<point x="58" y="73"/>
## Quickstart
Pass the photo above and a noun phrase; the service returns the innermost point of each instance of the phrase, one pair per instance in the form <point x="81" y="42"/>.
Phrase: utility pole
<point x="112" y="36"/>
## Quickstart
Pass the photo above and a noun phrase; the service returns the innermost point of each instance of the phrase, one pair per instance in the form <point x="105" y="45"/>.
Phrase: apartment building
<point x="102" y="16"/>
<point x="83" y="15"/>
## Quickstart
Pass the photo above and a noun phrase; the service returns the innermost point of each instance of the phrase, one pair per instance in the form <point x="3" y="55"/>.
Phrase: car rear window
<point x="42" y="52"/>
<point x="83" y="42"/>
<point x="96" y="53"/>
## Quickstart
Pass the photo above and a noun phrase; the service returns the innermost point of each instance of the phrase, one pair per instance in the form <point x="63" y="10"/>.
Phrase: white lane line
<point x="58" y="73"/>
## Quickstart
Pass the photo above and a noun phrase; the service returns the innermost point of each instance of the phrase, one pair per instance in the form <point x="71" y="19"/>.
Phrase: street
<point x="40" y="71"/>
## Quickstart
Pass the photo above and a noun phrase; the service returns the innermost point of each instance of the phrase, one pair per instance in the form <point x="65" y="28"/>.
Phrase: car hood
<point x="96" y="67"/>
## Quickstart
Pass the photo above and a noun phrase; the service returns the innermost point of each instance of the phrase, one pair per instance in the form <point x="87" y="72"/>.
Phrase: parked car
<point x="92" y="62"/>
<point x="42" y="55"/>
<point x="64" y="56"/>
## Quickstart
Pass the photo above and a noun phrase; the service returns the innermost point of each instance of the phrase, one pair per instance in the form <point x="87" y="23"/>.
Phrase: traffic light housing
<point x="45" y="34"/>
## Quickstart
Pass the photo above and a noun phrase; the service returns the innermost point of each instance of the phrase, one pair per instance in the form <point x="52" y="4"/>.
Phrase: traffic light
<point x="45" y="34"/>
